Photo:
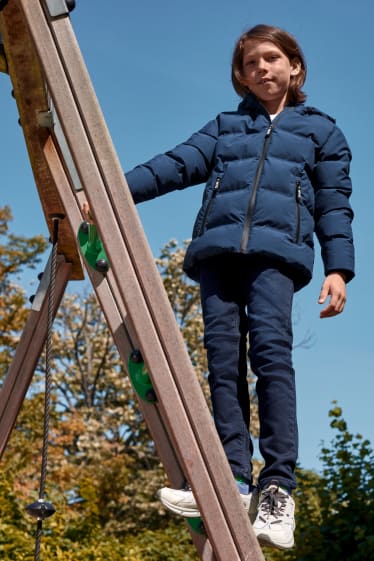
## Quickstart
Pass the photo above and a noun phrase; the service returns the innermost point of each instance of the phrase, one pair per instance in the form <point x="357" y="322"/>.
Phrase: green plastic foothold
<point x="196" y="524"/>
<point x="140" y="378"/>
<point x="92" y="247"/>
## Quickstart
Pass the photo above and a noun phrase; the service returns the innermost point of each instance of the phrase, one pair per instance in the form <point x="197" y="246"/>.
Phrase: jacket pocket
<point x="209" y="206"/>
<point x="298" y="200"/>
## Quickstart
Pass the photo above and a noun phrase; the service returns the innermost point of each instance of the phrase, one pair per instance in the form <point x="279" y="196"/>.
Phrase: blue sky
<point x="161" y="71"/>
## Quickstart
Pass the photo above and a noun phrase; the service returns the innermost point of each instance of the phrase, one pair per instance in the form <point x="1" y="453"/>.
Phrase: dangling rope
<point x="42" y="509"/>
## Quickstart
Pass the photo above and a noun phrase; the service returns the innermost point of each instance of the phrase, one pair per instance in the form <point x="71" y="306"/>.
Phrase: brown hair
<point x="286" y="43"/>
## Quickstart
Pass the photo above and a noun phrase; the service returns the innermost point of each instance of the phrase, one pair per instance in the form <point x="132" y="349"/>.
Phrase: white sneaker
<point x="275" y="521"/>
<point x="182" y="501"/>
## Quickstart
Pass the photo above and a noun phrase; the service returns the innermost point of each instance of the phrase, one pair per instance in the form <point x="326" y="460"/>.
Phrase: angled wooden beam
<point x="180" y="398"/>
<point x="28" y="351"/>
<point x="125" y="339"/>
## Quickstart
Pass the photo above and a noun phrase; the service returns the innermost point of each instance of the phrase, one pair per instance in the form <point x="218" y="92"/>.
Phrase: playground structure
<point x="73" y="160"/>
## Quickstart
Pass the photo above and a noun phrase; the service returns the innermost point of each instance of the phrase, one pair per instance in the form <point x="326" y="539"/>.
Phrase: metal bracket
<point x="42" y="288"/>
<point x="43" y="285"/>
<point x="45" y="119"/>
<point x="59" y="7"/>
<point x="50" y="120"/>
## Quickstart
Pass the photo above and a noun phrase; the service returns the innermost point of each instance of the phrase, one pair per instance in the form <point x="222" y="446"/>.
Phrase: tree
<point x="347" y="501"/>
<point x="335" y="511"/>
<point x="16" y="252"/>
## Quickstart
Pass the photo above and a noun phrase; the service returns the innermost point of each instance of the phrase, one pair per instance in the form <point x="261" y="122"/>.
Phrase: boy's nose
<point x="261" y="67"/>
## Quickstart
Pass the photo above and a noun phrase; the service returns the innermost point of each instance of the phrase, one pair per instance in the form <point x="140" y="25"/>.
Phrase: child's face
<point x="267" y="73"/>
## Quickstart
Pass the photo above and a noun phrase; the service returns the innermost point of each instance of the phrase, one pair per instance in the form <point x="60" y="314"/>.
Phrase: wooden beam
<point x="125" y="339"/>
<point x="33" y="106"/>
<point x="28" y="351"/>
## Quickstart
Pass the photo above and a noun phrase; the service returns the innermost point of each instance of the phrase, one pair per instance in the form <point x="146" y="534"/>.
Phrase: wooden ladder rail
<point x="114" y="310"/>
<point x="137" y="283"/>
<point x="31" y="97"/>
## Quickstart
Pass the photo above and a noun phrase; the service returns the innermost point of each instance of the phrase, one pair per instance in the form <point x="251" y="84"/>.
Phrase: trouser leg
<point x="226" y="344"/>
<point x="269" y="305"/>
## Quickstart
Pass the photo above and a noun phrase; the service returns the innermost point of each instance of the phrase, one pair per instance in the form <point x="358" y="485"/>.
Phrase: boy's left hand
<point x="333" y="286"/>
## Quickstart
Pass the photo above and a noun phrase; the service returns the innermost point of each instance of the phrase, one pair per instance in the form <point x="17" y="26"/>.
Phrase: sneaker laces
<point x="272" y="504"/>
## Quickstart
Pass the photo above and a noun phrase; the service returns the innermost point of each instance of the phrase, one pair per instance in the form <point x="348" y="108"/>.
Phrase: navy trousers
<point x="246" y="301"/>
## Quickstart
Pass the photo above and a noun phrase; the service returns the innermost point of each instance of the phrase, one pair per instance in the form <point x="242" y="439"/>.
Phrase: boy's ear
<point x="295" y="67"/>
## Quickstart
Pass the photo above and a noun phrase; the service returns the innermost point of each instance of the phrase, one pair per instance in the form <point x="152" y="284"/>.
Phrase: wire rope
<point x="43" y="509"/>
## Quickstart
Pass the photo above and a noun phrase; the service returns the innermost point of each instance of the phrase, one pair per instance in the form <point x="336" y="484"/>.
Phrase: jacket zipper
<point x="210" y="203"/>
<point x="298" y="203"/>
<point x="247" y="224"/>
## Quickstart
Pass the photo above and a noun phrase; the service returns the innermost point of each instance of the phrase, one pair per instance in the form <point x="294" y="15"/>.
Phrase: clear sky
<point x="161" y="70"/>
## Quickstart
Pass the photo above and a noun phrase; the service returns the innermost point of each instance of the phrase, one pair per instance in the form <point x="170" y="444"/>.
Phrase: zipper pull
<point x="298" y="191"/>
<point x="216" y="185"/>
<point x="269" y="130"/>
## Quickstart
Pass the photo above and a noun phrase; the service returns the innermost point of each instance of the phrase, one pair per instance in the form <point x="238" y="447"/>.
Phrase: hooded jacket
<point x="270" y="185"/>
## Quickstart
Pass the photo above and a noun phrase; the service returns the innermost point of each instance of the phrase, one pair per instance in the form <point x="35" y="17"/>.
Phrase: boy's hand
<point x="86" y="212"/>
<point x="333" y="286"/>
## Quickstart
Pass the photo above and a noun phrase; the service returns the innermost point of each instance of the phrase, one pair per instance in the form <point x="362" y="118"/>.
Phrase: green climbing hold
<point x="140" y="377"/>
<point x="196" y="524"/>
<point x="92" y="247"/>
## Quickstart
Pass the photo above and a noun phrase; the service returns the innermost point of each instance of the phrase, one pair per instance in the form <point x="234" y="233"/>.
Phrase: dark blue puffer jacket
<point x="270" y="186"/>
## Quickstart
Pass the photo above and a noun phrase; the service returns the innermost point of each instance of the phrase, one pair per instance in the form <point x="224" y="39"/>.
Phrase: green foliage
<point x="347" y="501"/>
<point x="16" y="252"/>
<point x="171" y="544"/>
<point x="335" y="511"/>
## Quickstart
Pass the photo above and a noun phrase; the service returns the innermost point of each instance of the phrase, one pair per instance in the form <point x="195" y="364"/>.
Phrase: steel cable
<point x="44" y="509"/>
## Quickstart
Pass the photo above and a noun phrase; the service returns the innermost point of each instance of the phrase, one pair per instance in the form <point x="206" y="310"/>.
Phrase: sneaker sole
<point x="265" y="541"/>
<point x="195" y="513"/>
<point x="185" y="512"/>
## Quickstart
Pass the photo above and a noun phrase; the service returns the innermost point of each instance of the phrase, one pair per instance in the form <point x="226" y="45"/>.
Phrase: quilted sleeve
<point x="185" y="165"/>
<point x="333" y="212"/>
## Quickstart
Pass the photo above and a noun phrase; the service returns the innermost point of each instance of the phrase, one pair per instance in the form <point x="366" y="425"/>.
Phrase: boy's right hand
<point x="334" y="286"/>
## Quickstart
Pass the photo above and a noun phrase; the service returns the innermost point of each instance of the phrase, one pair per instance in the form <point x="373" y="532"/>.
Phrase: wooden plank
<point x="31" y="97"/>
<point x="171" y="404"/>
<point x="116" y="316"/>
<point x="27" y="355"/>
